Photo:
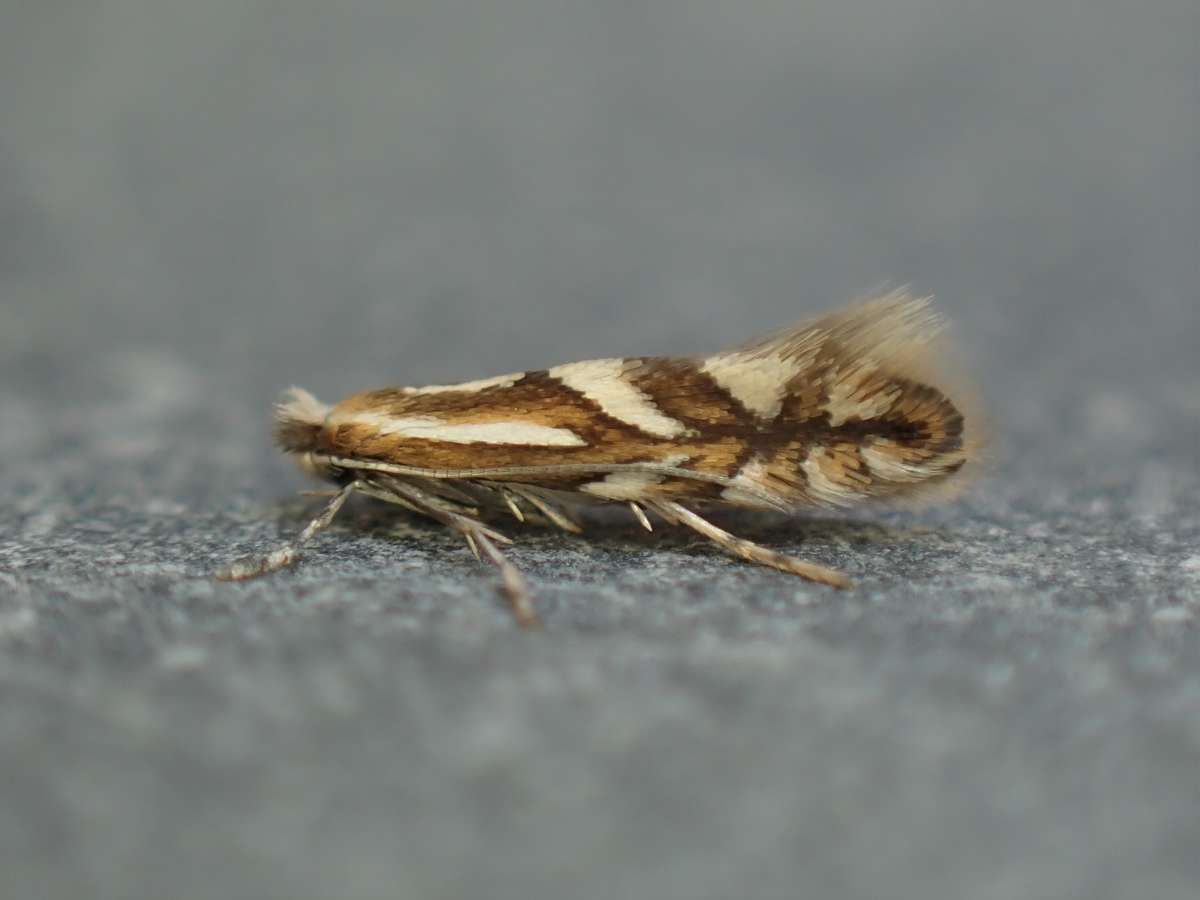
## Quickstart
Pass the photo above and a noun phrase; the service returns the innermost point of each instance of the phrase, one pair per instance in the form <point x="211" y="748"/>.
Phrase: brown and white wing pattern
<point x="847" y="408"/>
<point x="830" y="413"/>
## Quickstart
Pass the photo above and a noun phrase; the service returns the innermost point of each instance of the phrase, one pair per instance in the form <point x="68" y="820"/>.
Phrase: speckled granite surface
<point x="200" y="204"/>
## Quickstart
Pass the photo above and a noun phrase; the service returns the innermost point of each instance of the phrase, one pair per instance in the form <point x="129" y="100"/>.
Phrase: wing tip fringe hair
<point x="901" y="336"/>
<point x="905" y="335"/>
<point x="890" y="328"/>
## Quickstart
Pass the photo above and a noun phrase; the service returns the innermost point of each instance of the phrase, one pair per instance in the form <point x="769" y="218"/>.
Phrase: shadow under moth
<point x="847" y="408"/>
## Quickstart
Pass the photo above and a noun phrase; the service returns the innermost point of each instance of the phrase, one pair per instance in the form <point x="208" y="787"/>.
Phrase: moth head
<point x="299" y="418"/>
<point x="317" y="465"/>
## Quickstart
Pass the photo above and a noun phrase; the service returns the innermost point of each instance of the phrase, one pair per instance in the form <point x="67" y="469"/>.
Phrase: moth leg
<point x="393" y="490"/>
<point x="472" y="546"/>
<point x="640" y="515"/>
<point x="249" y="567"/>
<point x="479" y="538"/>
<point x="748" y="549"/>
<point x="516" y="588"/>
<point x="557" y="516"/>
<point x="511" y="500"/>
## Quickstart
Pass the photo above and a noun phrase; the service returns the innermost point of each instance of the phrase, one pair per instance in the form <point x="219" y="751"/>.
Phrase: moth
<point x="850" y="407"/>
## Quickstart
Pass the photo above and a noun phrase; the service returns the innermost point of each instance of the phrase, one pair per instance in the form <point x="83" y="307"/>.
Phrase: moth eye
<point x="317" y="465"/>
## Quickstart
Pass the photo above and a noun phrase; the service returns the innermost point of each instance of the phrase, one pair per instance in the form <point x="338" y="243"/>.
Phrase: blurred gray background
<point x="201" y="203"/>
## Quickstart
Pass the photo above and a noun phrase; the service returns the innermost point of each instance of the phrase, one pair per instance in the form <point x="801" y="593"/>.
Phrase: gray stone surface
<point x="201" y="203"/>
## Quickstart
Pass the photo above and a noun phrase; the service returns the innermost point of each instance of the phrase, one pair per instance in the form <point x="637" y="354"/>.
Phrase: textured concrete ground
<point x="202" y="203"/>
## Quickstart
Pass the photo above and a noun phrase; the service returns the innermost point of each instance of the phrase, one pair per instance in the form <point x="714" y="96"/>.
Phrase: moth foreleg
<point x="675" y="512"/>
<point x="250" y="567"/>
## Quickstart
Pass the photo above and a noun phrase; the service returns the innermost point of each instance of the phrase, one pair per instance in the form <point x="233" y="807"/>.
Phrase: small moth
<point x="829" y="413"/>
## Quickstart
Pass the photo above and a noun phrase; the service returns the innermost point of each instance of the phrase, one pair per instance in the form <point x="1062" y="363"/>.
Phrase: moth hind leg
<point x="748" y="550"/>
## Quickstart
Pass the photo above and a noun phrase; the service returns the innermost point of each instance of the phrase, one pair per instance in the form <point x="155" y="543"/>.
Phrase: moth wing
<point x="865" y="402"/>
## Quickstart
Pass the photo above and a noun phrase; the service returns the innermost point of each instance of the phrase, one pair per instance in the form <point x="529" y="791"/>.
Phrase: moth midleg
<point x="640" y="515"/>
<point x="458" y="518"/>
<point x="511" y="500"/>
<point x="516" y="588"/>
<point x="675" y="512"/>
<point x="472" y="546"/>
<point x="551" y="512"/>
<point x="249" y="567"/>
<point x="479" y="538"/>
